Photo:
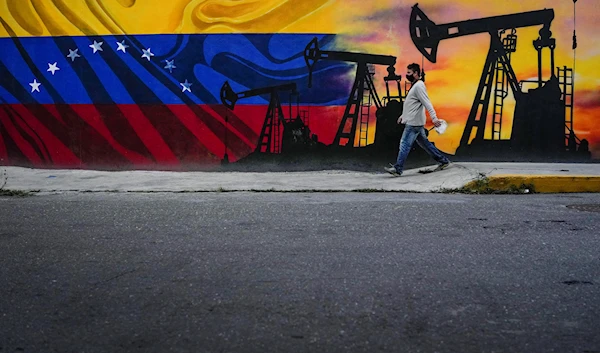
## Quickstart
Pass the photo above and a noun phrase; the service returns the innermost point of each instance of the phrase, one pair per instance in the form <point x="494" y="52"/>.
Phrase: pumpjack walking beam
<point x="426" y="36"/>
<point x="269" y="140"/>
<point x="363" y="81"/>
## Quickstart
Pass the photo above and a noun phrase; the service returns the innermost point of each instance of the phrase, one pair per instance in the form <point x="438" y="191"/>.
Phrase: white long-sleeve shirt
<point x="413" y="112"/>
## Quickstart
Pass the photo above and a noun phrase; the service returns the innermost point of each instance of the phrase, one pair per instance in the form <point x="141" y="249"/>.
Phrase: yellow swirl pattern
<point x="102" y="17"/>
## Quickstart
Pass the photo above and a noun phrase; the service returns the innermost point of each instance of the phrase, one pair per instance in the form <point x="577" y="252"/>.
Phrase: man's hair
<point x="415" y="68"/>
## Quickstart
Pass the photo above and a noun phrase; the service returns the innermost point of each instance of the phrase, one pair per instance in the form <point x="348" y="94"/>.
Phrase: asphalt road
<point x="261" y="272"/>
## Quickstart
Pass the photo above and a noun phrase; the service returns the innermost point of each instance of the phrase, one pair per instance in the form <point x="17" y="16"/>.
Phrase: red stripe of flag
<point x="90" y="115"/>
<point x="60" y="154"/>
<point x="198" y="128"/>
<point x="32" y="133"/>
<point x="149" y="136"/>
<point x="3" y="152"/>
<point x="24" y="146"/>
<point x="52" y="109"/>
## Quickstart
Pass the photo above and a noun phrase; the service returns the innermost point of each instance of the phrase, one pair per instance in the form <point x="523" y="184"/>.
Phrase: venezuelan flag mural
<point x="149" y="84"/>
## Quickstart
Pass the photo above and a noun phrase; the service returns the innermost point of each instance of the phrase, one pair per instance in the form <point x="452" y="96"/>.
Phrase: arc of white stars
<point x="97" y="46"/>
<point x="186" y="86"/>
<point x="53" y="68"/>
<point x="35" y="86"/>
<point x="170" y="65"/>
<point x="122" y="46"/>
<point x="147" y="54"/>
<point x="73" y="54"/>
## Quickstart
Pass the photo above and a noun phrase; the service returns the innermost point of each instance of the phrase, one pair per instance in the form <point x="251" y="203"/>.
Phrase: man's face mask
<point x="410" y="77"/>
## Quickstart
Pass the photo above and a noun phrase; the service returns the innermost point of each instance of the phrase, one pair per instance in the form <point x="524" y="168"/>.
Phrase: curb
<point x="547" y="183"/>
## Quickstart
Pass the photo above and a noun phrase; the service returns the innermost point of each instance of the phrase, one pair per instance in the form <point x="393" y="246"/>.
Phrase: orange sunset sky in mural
<point x="382" y="27"/>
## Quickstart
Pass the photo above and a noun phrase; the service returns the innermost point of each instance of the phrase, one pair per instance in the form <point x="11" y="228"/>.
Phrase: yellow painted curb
<point x="547" y="183"/>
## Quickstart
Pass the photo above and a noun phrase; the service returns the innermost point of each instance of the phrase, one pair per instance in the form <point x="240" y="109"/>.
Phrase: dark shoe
<point x="392" y="170"/>
<point x="442" y="167"/>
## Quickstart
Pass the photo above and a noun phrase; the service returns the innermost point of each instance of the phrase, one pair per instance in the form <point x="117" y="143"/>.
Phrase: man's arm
<point x="421" y="93"/>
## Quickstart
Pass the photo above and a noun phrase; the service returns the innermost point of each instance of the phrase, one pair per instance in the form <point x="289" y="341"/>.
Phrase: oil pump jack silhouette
<point x="362" y="97"/>
<point x="295" y="135"/>
<point x="540" y="127"/>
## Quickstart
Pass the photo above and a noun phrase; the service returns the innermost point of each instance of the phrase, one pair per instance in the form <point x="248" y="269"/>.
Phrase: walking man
<point x="413" y="115"/>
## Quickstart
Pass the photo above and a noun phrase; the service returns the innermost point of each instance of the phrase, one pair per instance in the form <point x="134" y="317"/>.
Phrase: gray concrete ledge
<point x="458" y="175"/>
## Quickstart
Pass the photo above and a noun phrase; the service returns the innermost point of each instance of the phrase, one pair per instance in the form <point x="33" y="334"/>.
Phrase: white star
<point x="147" y="54"/>
<point x="73" y="54"/>
<point x="170" y="65"/>
<point x="35" y="86"/>
<point x="52" y="68"/>
<point x="122" y="46"/>
<point x="186" y="86"/>
<point x="96" y="46"/>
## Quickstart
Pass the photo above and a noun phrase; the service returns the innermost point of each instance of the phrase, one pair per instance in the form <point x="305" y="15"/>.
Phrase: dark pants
<point x="410" y="134"/>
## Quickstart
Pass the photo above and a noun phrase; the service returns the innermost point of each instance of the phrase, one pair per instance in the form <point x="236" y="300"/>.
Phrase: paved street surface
<point x="284" y="272"/>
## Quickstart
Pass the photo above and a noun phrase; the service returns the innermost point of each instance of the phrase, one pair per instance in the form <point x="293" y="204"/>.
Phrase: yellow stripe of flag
<point x="104" y="17"/>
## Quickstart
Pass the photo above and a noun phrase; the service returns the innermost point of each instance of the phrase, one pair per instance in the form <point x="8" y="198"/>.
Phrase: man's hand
<point x="400" y="120"/>
<point x="437" y="123"/>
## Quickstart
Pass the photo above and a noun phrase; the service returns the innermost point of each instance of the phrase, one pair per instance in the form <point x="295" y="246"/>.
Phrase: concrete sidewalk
<point x="544" y="177"/>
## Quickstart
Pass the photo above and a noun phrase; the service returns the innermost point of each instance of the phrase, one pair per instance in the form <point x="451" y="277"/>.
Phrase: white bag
<point x="442" y="128"/>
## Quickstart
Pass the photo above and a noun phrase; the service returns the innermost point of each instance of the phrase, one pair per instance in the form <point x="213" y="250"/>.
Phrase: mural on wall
<point x="198" y="83"/>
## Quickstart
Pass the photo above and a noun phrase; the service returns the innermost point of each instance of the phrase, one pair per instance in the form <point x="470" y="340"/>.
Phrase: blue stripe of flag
<point x="206" y="61"/>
